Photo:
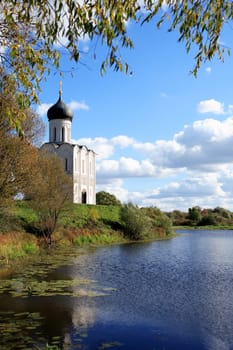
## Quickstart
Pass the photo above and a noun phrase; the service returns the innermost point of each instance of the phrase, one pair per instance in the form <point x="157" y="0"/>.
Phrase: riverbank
<point x="80" y="226"/>
<point x="207" y="227"/>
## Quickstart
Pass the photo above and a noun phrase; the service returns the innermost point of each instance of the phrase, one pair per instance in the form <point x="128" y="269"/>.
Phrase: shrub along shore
<point x="79" y="225"/>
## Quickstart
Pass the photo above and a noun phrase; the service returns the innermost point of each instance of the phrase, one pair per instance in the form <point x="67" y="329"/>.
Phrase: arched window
<point x="54" y="134"/>
<point x="63" y="134"/>
<point x="84" y="197"/>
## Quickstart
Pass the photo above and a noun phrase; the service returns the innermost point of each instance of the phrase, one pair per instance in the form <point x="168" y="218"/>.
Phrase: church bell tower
<point x="60" y="118"/>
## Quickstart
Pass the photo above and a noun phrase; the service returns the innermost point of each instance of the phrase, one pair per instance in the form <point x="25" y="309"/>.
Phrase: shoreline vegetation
<point x="96" y="225"/>
<point x="79" y="226"/>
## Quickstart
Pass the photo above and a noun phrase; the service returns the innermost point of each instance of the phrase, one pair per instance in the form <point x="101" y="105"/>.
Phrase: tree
<point x="136" y="225"/>
<point x="18" y="156"/>
<point x="17" y="118"/>
<point x="31" y="31"/>
<point x="178" y="217"/>
<point x="105" y="198"/>
<point x="209" y="219"/>
<point x="198" y="22"/>
<point x="160" y="221"/>
<point x="194" y="214"/>
<point x="18" y="159"/>
<point x="32" y="128"/>
<point x="49" y="191"/>
<point x="224" y="213"/>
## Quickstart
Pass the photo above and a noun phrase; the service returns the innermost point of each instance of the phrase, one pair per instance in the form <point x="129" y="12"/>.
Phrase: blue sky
<point x="163" y="137"/>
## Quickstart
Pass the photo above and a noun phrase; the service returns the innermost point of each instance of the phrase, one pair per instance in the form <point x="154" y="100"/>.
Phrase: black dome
<point x="59" y="111"/>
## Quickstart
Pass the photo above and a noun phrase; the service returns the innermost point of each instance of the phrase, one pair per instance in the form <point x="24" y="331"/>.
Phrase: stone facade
<point x="78" y="160"/>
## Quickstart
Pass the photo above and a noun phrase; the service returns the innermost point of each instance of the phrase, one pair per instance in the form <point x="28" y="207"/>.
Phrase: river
<point x="163" y="295"/>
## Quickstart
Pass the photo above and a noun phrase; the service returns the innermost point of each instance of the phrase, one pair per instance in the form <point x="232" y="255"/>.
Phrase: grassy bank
<point x="79" y="225"/>
<point x="14" y="245"/>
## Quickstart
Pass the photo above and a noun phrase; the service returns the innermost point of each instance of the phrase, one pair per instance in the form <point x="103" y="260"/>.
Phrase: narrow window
<point x="66" y="164"/>
<point x="83" y="166"/>
<point x="63" y="134"/>
<point x="54" y="134"/>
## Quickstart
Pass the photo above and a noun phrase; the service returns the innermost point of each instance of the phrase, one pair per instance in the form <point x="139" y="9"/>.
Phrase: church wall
<point x="65" y="152"/>
<point x="79" y="162"/>
<point x="84" y="175"/>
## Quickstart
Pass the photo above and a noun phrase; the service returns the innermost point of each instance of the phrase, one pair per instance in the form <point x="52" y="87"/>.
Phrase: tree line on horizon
<point x="197" y="216"/>
<point x="194" y="216"/>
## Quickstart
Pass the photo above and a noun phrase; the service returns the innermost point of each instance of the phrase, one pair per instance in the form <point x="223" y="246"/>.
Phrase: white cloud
<point x="204" y="185"/>
<point x="115" y="187"/>
<point x="123" y="141"/>
<point x="205" y="190"/>
<point x="75" y="105"/>
<point x="132" y="168"/>
<point x="100" y="145"/>
<point x="145" y="147"/>
<point x="205" y="131"/>
<point x="42" y="109"/>
<point x="193" y="168"/>
<point x="210" y="106"/>
<point x="205" y="145"/>
<point x="125" y="167"/>
<point x="230" y="109"/>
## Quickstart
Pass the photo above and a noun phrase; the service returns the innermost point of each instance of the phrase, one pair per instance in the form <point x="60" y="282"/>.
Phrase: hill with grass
<point x="80" y="225"/>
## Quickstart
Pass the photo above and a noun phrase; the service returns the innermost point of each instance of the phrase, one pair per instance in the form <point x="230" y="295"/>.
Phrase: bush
<point x="105" y="198"/>
<point x="161" y="224"/>
<point x="135" y="224"/>
<point x="208" y="220"/>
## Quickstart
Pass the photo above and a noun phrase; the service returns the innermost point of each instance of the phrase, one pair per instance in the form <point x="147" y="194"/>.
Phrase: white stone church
<point x="79" y="161"/>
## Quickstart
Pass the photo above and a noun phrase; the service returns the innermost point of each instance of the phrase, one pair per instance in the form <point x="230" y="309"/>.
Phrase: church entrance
<point x="84" y="197"/>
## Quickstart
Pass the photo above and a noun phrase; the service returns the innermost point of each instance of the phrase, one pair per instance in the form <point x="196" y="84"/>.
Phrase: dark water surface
<point x="167" y="295"/>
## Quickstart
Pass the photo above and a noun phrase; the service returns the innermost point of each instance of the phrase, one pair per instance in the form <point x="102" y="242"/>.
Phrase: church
<point x="78" y="160"/>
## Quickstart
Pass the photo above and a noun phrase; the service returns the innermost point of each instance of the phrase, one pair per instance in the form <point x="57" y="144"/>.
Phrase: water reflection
<point x="164" y="295"/>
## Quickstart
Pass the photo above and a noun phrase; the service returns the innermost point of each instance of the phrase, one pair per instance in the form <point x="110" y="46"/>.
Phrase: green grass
<point x="79" y="225"/>
<point x="24" y="212"/>
<point x="97" y="239"/>
<point x="17" y="245"/>
<point x="78" y="215"/>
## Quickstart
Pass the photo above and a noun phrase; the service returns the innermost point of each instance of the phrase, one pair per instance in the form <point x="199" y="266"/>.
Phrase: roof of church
<point x="67" y="144"/>
<point x="59" y="110"/>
